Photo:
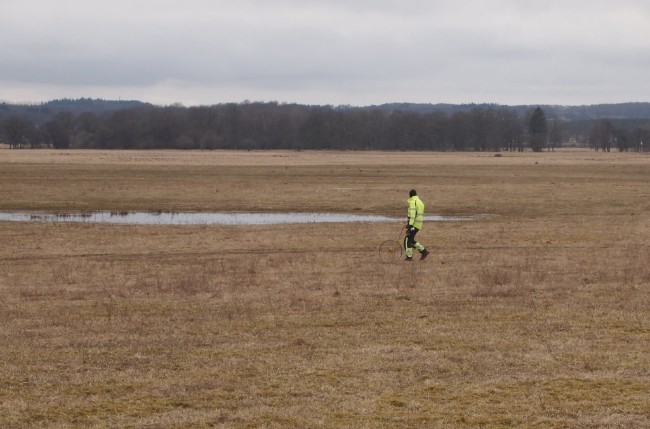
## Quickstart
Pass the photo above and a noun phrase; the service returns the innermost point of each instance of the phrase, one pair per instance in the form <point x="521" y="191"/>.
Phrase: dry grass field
<point x="537" y="315"/>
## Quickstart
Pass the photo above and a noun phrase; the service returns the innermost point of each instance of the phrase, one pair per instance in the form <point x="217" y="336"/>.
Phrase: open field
<point x="537" y="315"/>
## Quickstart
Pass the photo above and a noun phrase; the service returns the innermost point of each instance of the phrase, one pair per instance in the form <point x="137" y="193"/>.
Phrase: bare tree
<point x="601" y="135"/>
<point x="556" y="133"/>
<point x="19" y="132"/>
<point x="59" y="130"/>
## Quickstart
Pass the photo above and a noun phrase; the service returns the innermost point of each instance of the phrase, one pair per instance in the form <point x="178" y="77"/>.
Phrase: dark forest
<point x="99" y="124"/>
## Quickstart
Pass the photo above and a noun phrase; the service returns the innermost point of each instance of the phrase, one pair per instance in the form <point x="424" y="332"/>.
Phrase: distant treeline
<point x="133" y="125"/>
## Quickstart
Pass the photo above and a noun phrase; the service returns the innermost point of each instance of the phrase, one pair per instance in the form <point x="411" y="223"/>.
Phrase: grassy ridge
<point x="536" y="316"/>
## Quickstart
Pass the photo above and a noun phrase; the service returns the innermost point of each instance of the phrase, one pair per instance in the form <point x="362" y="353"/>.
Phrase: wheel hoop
<point x="390" y="251"/>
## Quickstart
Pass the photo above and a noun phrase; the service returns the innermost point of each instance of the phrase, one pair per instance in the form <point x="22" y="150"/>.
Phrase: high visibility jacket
<point x="416" y="212"/>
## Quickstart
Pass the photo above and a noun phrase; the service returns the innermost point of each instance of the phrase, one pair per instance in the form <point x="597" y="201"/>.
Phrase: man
<point x="413" y="225"/>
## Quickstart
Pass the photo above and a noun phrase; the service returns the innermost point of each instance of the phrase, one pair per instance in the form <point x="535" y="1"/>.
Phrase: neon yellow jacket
<point x="416" y="211"/>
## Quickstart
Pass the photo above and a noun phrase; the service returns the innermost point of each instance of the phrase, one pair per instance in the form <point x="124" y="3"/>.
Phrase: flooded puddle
<point x="208" y="218"/>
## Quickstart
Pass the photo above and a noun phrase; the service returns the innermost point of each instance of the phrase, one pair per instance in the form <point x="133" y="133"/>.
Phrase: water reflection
<point x="207" y="218"/>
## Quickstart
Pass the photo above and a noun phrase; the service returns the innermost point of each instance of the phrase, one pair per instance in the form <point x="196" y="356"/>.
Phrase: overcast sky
<point x="357" y="52"/>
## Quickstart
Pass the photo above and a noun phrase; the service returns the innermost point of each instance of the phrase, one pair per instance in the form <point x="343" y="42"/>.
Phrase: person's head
<point x="412" y="193"/>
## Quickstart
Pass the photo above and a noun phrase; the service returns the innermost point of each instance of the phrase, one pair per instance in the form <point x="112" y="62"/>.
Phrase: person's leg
<point x="423" y="251"/>
<point x="409" y="243"/>
<point x="414" y="243"/>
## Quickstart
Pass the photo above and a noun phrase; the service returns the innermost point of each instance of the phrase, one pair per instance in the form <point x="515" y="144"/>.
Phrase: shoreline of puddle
<point x="208" y="218"/>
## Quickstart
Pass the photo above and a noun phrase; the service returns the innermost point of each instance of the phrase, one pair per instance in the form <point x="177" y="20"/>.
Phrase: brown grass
<point x="536" y="316"/>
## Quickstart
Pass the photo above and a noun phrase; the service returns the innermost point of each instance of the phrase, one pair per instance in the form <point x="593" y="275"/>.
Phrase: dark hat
<point x="412" y="193"/>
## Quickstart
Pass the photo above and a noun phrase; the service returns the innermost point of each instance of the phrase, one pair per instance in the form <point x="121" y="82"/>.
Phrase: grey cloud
<point x="364" y="50"/>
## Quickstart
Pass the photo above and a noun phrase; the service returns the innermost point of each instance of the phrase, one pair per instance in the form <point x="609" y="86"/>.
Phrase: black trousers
<point x="409" y="240"/>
